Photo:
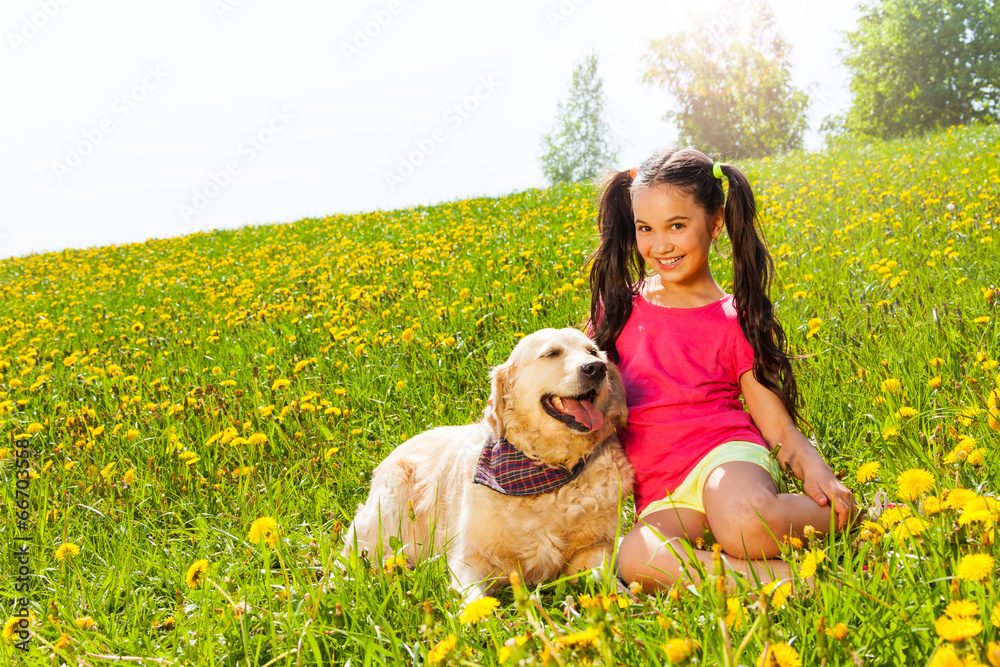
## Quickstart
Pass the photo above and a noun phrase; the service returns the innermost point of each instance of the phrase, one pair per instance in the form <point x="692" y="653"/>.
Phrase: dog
<point x="535" y="488"/>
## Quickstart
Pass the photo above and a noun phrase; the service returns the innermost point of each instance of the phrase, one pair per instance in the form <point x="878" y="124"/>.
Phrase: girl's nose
<point x="661" y="244"/>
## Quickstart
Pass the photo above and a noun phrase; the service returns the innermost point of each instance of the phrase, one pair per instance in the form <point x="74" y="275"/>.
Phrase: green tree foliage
<point x="580" y="144"/>
<point x="921" y="64"/>
<point x="731" y="86"/>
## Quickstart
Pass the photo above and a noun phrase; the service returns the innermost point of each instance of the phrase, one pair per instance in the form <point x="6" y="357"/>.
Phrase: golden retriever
<point x="557" y="400"/>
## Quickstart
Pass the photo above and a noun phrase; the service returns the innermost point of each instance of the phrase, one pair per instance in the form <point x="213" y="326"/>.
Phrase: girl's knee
<point x="757" y="535"/>
<point x="632" y="555"/>
<point x="645" y="557"/>
<point x="750" y="526"/>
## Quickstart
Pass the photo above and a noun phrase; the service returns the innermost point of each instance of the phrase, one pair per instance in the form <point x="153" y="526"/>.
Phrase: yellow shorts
<point x="688" y="494"/>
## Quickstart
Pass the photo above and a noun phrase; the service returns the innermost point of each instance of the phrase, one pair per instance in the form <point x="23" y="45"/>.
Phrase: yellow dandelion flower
<point x="958" y="498"/>
<point x="894" y="515"/>
<point x="581" y="639"/>
<point x="935" y="361"/>
<point x="265" y="529"/>
<point x="962" y="609"/>
<point x="945" y="656"/>
<point x="935" y="382"/>
<point x="478" y="610"/>
<point x="67" y="551"/>
<point x="778" y="593"/>
<point x="890" y="384"/>
<point x="979" y="509"/>
<point x="909" y="527"/>
<point x="889" y="432"/>
<point x="995" y="616"/>
<point x="11" y="626"/>
<point x="930" y="505"/>
<point x="196" y="573"/>
<point x="975" y="567"/>
<point x="809" y="563"/>
<point x="678" y="650"/>
<point x="442" y="649"/>
<point x="280" y="383"/>
<point x="957" y="629"/>
<point x="839" y="632"/>
<point x="993" y="653"/>
<point x="906" y="411"/>
<point x="85" y="623"/>
<point x="868" y="471"/>
<point x="257" y="439"/>
<point x="734" y="613"/>
<point x="393" y="563"/>
<point x="779" y="655"/>
<point x="911" y="483"/>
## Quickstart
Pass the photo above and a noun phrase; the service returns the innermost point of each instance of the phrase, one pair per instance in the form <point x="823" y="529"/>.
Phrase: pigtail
<point x="752" y="272"/>
<point x="616" y="265"/>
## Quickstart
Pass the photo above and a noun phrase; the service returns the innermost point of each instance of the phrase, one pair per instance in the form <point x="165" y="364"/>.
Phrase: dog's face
<point x="557" y="394"/>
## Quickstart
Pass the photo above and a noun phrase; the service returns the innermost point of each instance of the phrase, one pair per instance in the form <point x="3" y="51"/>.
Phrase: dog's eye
<point x="552" y="353"/>
<point x="593" y="353"/>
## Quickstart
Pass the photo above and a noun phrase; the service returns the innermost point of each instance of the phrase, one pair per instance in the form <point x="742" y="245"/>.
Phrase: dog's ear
<point x="497" y="406"/>
<point x="618" y="393"/>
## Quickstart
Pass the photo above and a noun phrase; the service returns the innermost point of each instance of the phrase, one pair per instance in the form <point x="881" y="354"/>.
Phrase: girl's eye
<point x="677" y="225"/>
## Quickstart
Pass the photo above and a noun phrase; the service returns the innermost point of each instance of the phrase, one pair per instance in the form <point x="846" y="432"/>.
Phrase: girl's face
<point x="674" y="235"/>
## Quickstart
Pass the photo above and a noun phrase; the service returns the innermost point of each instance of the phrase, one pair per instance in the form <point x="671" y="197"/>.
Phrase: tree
<point x="732" y="88"/>
<point x="579" y="147"/>
<point x="921" y="64"/>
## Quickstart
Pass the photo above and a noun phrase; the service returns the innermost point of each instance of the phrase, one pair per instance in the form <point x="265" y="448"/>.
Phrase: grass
<point x="176" y="391"/>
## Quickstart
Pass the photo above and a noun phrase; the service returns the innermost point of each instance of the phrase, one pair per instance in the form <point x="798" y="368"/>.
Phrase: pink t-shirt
<point x="681" y="370"/>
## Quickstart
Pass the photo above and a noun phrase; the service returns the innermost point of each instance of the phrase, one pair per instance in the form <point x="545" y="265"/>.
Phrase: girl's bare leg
<point x="749" y="518"/>
<point x="657" y="552"/>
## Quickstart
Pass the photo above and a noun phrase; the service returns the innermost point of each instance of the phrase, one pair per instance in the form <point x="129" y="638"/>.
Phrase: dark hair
<point x="618" y="268"/>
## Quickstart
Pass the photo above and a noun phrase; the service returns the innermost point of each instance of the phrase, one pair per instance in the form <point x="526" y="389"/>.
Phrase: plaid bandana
<point x="505" y="469"/>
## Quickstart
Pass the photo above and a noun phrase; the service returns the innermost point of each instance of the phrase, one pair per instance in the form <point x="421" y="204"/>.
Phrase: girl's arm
<point x="797" y="452"/>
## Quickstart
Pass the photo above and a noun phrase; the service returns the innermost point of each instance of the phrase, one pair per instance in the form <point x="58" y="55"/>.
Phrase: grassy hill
<point x="177" y="390"/>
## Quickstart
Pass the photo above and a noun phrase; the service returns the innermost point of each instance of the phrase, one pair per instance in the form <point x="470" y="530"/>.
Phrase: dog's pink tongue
<point x="584" y="412"/>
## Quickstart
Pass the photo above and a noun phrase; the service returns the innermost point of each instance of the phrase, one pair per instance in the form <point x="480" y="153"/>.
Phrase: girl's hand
<point x="820" y="484"/>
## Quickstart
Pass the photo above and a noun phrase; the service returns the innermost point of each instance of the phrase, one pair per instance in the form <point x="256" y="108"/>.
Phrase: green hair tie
<point x="717" y="170"/>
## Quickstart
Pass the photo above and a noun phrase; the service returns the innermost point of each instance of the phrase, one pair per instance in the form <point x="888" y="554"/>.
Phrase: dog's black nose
<point x="594" y="369"/>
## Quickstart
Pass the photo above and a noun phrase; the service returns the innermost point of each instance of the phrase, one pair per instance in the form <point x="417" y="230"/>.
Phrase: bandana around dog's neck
<point x="505" y="469"/>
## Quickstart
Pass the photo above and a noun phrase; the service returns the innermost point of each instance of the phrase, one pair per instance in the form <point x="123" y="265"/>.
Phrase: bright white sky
<point x="162" y="95"/>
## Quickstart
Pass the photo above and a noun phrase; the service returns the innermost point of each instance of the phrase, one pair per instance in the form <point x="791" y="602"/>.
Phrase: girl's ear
<point x="717" y="224"/>
<point x="497" y="406"/>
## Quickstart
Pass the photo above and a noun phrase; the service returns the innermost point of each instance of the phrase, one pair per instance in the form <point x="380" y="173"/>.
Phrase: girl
<point x="686" y="351"/>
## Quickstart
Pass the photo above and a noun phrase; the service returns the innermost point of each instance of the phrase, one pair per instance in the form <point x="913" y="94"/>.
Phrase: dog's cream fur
<point x="485" y="534"/>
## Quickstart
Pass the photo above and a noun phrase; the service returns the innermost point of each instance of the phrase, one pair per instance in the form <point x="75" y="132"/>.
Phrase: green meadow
<point x="202" y="415"/>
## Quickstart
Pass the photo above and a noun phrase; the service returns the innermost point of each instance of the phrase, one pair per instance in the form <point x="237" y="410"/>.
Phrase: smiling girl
<point x="687" y="351"/>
